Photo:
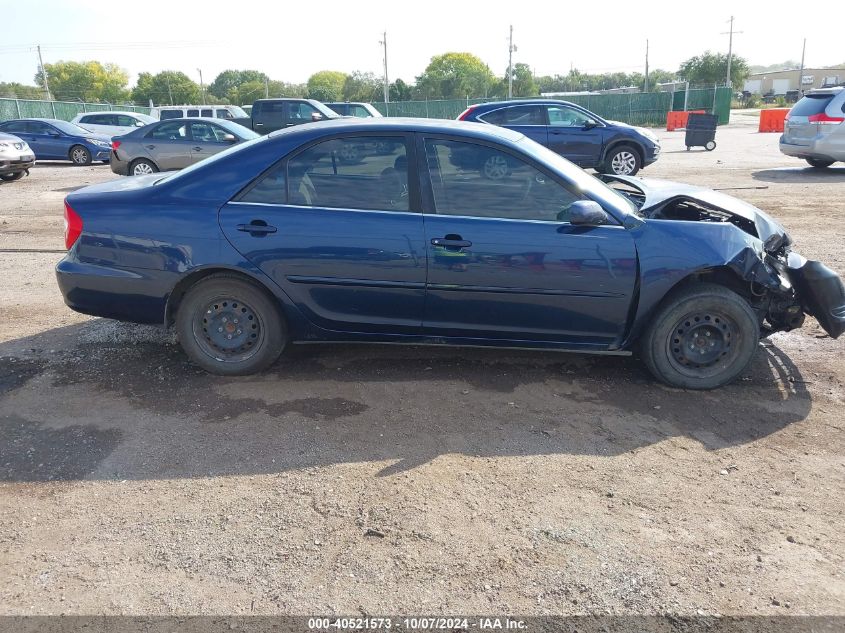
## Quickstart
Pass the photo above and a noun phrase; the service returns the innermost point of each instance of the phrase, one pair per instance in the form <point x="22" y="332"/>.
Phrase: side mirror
<point x="316" y="116"/>
<point x="139" y="124"/>
<point x="590" y="124"/>
<point x="55" y="135"/>
<point x="587" y="213"/>
<point x="230" y="138"/>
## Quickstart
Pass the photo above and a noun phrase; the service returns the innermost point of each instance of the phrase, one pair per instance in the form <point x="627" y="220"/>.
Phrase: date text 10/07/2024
<point x="416" y="624"/>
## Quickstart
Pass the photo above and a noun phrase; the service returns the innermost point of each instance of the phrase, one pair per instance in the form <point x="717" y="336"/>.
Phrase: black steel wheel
<point x="229" y="326"/>
<point x="703" y="337"/>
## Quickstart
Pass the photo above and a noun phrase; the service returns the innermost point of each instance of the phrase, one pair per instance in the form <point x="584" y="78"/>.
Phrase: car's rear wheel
<point x="349" y="153"/>
<point x="622" y="160"/>
<point x="79" y="155"/>
<point x="11" y="177"/>
<point x="818" y="163"/>
<point x="142" y="167"/>
<point x="230" y="326"/>
<point x="703" y="337"/>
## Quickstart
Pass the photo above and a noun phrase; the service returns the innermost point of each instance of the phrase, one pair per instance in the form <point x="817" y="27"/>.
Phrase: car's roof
<point x="193" y="119"/>
<point x="111" y="112"/>
<point x="406" y="124"/>
<point x="43" y="120"/>
<point x="834" y="90"/>
<point x="513" y="102"/>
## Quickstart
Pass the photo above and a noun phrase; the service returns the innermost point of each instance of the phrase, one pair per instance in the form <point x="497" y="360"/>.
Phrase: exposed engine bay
<point x="779" y="284"/>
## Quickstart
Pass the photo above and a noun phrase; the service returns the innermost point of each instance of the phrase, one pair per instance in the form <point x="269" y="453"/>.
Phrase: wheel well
<point x="632" y="144"/>
<point x="185" y="284"/>
<point x="721" y="275"/>
<point x="148" y="160"/>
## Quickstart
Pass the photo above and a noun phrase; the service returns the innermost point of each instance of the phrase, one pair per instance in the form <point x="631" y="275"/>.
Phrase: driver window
<point x="561" y="116"/>
<point x="480" y="181"/>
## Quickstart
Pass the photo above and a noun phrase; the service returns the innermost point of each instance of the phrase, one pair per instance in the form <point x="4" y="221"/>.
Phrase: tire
<point x="703" y="337"/>
<point x="818" y="163"/>
<point x="710" y="146"/>
<point x="349" y="153"/>
<point x="495" y="167"/>
<point x="11" y="177"/>
<point x="623" y="160"/>
<point x="79" y="155"/>
<point x="230" y="326"/>
<point x="142" y="167"/>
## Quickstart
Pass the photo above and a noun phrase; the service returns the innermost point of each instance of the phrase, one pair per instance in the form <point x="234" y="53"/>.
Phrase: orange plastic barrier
<point x="677" y="120"/>
<point x="772" y="120"/>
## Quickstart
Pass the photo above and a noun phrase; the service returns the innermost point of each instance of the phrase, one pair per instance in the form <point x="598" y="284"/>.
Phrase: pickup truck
<point x="269" y="115"/>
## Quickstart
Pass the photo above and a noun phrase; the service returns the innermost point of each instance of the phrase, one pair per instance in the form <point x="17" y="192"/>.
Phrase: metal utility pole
<point x="511" y="49"/>
<point x="383" y="42"/>
<point x="44" y="74"/>
<point x="266" y="87"/>
<point x="202" y="88"/>
<point x="645" y="88"/>
<point x="730" y="50"/>
<point x="801" y="72"/>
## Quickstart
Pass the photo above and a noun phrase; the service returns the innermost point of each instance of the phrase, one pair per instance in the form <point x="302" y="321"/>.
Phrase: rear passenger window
<point x="271" y="189"/>
<point x="175" y="131"/>
<point x="517" y="115"/>
<point x="193" y="112"/>
<point x="170" y="114"/>
<point x="209" y="113"/>
<point x="363" y="172"/>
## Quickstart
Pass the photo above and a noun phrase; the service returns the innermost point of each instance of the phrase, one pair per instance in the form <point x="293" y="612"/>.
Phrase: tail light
<point x="463" y="115"/>
<point x="823" y="119"/>
<point x="115" y="144"/>
<point x="73" y="226"/>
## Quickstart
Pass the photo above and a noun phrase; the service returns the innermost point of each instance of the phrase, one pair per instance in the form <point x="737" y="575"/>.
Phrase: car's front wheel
<point x="818" y="163"/>
<point x="495" y="167"/>
<point x="230" y="326"/>
<point x="11" y="177"/>
<point x="623" y="160"/>
<point x="142" y="167"/>
<point x="703" y="337"/>
<point x="79" y="155"/>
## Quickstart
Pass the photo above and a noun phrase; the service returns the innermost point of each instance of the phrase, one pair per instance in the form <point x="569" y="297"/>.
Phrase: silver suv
<point x="814" y="129"/>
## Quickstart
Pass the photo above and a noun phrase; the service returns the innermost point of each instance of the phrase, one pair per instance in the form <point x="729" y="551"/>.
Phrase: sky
<point x="290" y="41"/>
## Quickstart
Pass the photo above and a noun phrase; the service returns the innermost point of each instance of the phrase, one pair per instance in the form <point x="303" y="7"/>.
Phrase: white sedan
<point x="112" y="123"/>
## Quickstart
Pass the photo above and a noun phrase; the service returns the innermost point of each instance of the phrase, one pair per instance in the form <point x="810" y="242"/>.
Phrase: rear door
<point x="575" y="135"/>
<point x="529" y="120"/>
<point x="268" y="116"/>
<point x="168" y="144"/>
<point x="504" y="262"/>
<point x="343" y="239"/>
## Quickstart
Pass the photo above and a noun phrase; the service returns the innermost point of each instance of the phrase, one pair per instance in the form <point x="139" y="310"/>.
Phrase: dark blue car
<point x="279" y="240"/>
<point x="52" y="139"/>
<point x="573" y="132"/>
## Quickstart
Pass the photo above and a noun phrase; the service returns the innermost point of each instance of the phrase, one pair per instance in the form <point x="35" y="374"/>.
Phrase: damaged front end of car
<point x="781" y="285"/>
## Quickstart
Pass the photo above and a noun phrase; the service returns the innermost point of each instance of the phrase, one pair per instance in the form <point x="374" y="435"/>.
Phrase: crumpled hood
<point x="657" y="191"/>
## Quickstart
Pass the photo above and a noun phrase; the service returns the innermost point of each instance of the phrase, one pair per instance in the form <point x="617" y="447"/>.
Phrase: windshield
<point x="70" y="128"/>
<point x="588" y="184"/>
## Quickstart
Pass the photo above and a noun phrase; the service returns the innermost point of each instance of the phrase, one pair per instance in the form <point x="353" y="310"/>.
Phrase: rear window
<point x="810" y="105"/>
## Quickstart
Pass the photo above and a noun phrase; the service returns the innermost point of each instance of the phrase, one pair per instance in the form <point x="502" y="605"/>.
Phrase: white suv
<point x="814" y="129"/>
<point x="112" y="123"/>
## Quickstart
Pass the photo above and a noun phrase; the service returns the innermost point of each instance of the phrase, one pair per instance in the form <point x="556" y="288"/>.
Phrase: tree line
<point x="448" y="76"/>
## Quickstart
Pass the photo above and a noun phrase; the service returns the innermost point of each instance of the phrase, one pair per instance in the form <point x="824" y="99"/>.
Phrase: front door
<point x="342" y="237"/>
<point x="505" y="264"/>
<point x="206" y="140"/>
<point x="575" y="135"/>
<point x="46" y="141"/>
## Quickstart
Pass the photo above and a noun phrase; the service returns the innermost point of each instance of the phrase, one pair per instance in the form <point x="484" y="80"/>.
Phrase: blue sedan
<point x="52" y="139"/>
<point x="287" y="239"/>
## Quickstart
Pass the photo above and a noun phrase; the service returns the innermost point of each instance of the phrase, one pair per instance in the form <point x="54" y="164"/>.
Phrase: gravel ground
<point x="364" y="479"/>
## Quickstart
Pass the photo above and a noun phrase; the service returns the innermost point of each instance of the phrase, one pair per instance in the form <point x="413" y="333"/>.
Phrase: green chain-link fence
<point x="647" y="109"/>
<point x="65" y="110"/>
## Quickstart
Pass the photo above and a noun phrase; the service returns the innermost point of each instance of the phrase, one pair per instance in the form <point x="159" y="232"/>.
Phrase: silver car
<point x="16" y="157"/>
<point x="173" y="144"/>
<point x="814" y="129"/>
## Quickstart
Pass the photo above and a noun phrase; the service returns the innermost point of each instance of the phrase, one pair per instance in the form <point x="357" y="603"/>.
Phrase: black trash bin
<point x="701" y="131"/>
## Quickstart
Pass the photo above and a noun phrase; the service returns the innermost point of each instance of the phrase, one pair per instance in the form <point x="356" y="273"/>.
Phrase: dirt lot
<point x="390" y="480"/>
